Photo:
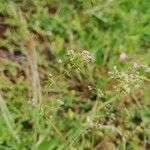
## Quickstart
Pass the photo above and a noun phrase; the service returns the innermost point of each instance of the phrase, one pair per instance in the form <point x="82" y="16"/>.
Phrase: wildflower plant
<point x="77" y="59"/>
<point x="126" y="80"/>
<point x="56" y="99"/>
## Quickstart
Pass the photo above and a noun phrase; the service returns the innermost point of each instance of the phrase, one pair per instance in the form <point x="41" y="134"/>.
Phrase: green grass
<point x="35" y="35"/>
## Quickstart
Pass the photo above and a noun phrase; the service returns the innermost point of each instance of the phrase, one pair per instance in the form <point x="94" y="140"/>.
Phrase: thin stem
<point x="7" y="118"/>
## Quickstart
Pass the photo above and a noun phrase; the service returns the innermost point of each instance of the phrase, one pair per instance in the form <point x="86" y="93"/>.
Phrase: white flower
<point x="136" y="65"/>
<point x="50" y="75"/>
<point x="59" y="101"/>
<point x="123" y="56"/>
<point x="59" y="61"/>
<point x="89" y="87"/>
<point x="70" y="53"/>
<point x="85" y="55"/>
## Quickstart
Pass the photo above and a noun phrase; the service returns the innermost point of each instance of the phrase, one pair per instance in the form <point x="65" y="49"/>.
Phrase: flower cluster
<point x="60" y="102"/>
<point x="126" y="79"/>
<point x="98" y="125"/>
<point x="84" y="55"/>
<point x="70" y="53"/>
<point x="137" y="66"/>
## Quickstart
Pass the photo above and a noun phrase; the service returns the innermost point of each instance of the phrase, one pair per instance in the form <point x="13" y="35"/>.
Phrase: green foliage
<point x="74" y="44"/>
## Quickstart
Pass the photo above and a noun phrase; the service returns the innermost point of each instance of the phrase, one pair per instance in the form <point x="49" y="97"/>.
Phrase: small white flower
<point x="123" y="56"/>
<point x="70" y="53"/>
<point x="50" y="75"/>
<point x="86" y="56"/>
<point x="89" y="87"/>
<point x="136" y="65"/>
<point x="59" y="101"/>
<point x="59" y="61"/>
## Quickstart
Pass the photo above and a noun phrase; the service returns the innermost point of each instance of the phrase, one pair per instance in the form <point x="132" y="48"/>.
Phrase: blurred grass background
<point x="51" y="27"/>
